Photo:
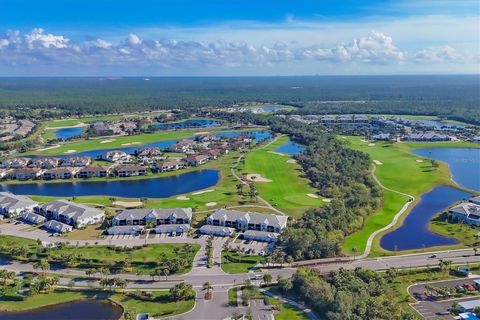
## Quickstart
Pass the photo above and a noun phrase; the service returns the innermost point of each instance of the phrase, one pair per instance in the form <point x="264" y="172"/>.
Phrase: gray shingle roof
<point x="57" y="226"/>
<point x="168" y="228"/>
<point x="139" y="214"/>
<point x="250" y="217"/>
<point x="11" y="201"/>
<point x="70" y="209"/>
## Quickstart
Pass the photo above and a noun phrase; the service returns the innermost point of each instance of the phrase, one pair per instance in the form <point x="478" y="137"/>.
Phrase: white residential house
<point x="468" y="212"/>
<point x="74" y="214"/>
<point x="12" y="205"/>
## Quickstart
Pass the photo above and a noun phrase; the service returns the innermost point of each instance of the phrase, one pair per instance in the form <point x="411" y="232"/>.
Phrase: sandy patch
<point x="291" y="161"/>
<point x="106" y="141"/>
<point x="200" y="133"/>
<point x="377" y="162"/>
<point x="419" y="160"/>
<point x="203" y="191"/>
<point x="210" y="204"/>
<point x="363" y="140"/>
<point x="326" y="200"/>
<point x="48" y="148"/>
<point x="371" y="144"/>
<point x="278" y="153"/>
<point x="183" y="198"/>
<point x="127" y="204"/>
<point x="70" y="151"/>
<point x="130" y="143"/>
<point x="257" y="178"/>
<point x="312" y="195"/>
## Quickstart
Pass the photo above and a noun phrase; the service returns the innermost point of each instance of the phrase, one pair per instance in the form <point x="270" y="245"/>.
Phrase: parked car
<point x="469" y="287"/>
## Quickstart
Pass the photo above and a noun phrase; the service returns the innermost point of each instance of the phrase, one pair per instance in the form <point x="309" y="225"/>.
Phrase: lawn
<point x="465" y="233"/>
<point x="142" y="259"/>
<point x="288" y="189"/>
<point x="288" y="312"/>
<point x="158" y="306"/>
<point x="77" y="121"/>
<point x="232" y="297"/>
<point x="117" y="142"/>
<point x="399" y="171"/>
<point x="235" y="263"/>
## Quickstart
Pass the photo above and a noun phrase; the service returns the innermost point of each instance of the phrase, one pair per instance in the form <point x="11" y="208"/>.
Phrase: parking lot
<point x="432" y="309"/>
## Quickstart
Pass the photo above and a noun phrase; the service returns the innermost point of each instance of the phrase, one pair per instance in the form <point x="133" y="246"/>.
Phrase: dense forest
<point x="455" y="97"/>
<point x="339" y="173"/>
<point x="349" y="294"/>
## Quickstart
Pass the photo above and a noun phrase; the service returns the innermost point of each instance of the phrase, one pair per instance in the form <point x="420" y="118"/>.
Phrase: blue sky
<point x="212" y="37"/>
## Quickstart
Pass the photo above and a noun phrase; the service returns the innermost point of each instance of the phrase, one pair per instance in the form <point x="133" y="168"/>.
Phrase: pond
<point x="161" y="187"/>
<point x="464" y="164"/>
<point x="66" y="133"/>
<point x="291" y="148"/>
<point x="94" y="154"/>
<point x="79" y="310"/>
<point x="260" y="135"/>
<point x="190" y="123"/>
<point x="414" y="232"/>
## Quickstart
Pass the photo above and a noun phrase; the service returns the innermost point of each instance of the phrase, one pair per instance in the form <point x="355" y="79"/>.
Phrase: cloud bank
<point x="40" y="48"/>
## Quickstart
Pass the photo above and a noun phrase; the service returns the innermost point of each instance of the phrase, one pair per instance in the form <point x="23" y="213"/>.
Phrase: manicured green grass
<point x="143" y="259"/>
<point x="56" y="297"/>
<point x="76" y="121"/>
<point x="246" y="262"/>
<point x="232" y="297"/>
<point x="288" y="312"/>
<point x="117" y="142"/>
<point x="159" y="306"/>
<point x="399" y="171"/>
<point x="465" y="233"/>
<point x="393" y="202"/>
<point x="288" y="189"/>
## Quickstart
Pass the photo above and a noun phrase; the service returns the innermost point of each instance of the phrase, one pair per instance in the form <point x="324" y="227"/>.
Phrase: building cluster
<point x="115" y="127"/>
<point x="58" y="216"/>
<point x="467" y="212"/>
<point x="18" y="130"/>
<point x="223" y="223"/>
<point x="121" y="164"/>
<point x="391" y="128"/>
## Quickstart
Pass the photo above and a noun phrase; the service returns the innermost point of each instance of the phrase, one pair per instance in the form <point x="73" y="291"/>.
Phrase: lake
<point x="414" y="233"/>
<point x="464" y="164"/>
<point x="291" y="148"/>
<point x="259" y="135"/>
<point x="161" y="187"/>
<point x="78" y="310"/>
<point x="66" y="133"/>
<point x="190" y="123"/>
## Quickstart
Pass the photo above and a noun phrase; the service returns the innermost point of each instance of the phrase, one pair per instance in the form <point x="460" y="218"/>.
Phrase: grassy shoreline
<point x="400" y="170"/>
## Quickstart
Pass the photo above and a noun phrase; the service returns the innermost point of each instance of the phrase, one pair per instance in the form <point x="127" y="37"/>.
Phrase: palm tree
<point x="207" y="286"/>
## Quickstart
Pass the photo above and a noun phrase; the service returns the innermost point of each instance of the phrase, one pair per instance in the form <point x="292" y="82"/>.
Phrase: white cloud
<point x="40" y="49"/>
<point x="439" y="54"/>
<point x="376" y="48"/>
<point x="38" y="39"/>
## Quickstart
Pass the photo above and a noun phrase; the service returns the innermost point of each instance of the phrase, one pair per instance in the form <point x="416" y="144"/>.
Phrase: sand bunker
<point x="278" y="153"/>
<point x="200" y="133"/>
<point x="106" y="141"/>
<point x="312" y="195"/>
<point x="371" y="144"/>
<point x="183" y="198"/>
<point x="418" y="160"/>
<point x="130" y="143"/>
<point x="377" y="162"/>
<point x="48" y="148"/>
<point x="203" y="191"/>
<point x="70" y="151"/>
<point x="257" y="178"/>
<point x="210" y="204"/>
<point x="127" y="204"/>
<point x="363" y="140"/>
<point x="326" y="200"/>
<point x="291" y="161"/>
